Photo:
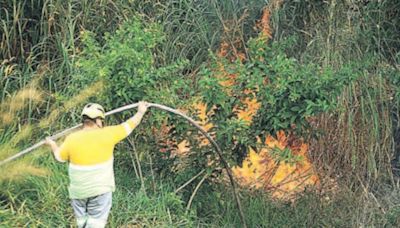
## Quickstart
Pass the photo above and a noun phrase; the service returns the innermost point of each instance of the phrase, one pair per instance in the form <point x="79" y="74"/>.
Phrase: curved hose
<point x="162" y="107"/>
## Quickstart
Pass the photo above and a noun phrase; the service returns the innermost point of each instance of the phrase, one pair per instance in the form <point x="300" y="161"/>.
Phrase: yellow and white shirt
<point x="90" y="156"/>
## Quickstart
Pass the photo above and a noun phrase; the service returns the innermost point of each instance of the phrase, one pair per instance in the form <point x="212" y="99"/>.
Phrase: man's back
<point x="90" y="156"/>
<point x="89" y="153"/>
<point x="93" y="146"/>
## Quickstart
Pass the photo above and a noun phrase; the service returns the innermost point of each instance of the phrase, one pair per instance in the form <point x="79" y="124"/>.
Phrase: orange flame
<point x="260" y="169"/>
<point x="263" y="25"/>
<point x="283" y="179"/>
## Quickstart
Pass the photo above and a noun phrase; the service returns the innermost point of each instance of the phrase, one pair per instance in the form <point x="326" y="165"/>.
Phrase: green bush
<point x="125" y="62"/>
<point x="289" y="92"/>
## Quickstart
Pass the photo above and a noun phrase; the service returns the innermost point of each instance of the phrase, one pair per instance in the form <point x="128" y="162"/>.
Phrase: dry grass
<point x="72" y="103"/>
<point x="21" y="170"/>
<point x="10" y="107"/>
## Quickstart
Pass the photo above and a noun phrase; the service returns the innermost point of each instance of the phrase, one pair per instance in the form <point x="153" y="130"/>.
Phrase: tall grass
<point x="38" y="44"/>
<point x="41" y="202"/>
<point x="358" y="138"/>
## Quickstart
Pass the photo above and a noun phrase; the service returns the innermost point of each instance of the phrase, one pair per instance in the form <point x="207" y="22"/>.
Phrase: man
<point x="90" y="156"/>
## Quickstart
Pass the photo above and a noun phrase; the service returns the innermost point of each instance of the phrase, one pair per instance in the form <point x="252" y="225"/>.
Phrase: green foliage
<point x="289" y="92"/>
<point x="365" y="123"/>
<point x="43" y="202"/>
<point x="125" y="62"/>
<point x="393" y="216"/>
<point x="393" y="76"/>
<point x="132" y="61"/>
<point x="285" y="155"/>
<point x="346" y="209"/>
<point x="294" y="91"/>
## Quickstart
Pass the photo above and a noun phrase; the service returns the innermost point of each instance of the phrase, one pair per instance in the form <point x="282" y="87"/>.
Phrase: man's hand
<point x="133" y="122"/>
<point x="54" y="148"/>
<point x="142" y="108"/>
<point x="50" y="142"/>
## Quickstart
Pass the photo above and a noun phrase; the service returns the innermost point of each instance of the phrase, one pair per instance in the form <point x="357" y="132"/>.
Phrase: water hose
<point x="162" y="107"/>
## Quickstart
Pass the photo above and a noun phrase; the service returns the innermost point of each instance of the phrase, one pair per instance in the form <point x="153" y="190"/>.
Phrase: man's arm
<point x="131" y="123"/>
<point x="55" y="148"/>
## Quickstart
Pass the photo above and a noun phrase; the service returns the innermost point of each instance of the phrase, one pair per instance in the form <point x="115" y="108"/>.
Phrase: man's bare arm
<point x="55" y="148"/>
<point x="133" y="122"/>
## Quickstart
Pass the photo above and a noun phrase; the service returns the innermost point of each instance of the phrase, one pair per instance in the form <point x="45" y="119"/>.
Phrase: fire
<point x="283" y="179"/>
<point x="263" y="25"/>
<point x="249" y="110"/>
<point x="263" y="168"/>
<point x="183" y="148"/>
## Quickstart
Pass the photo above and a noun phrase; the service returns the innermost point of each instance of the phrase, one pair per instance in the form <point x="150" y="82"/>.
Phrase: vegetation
<point x="325" y="72"/>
